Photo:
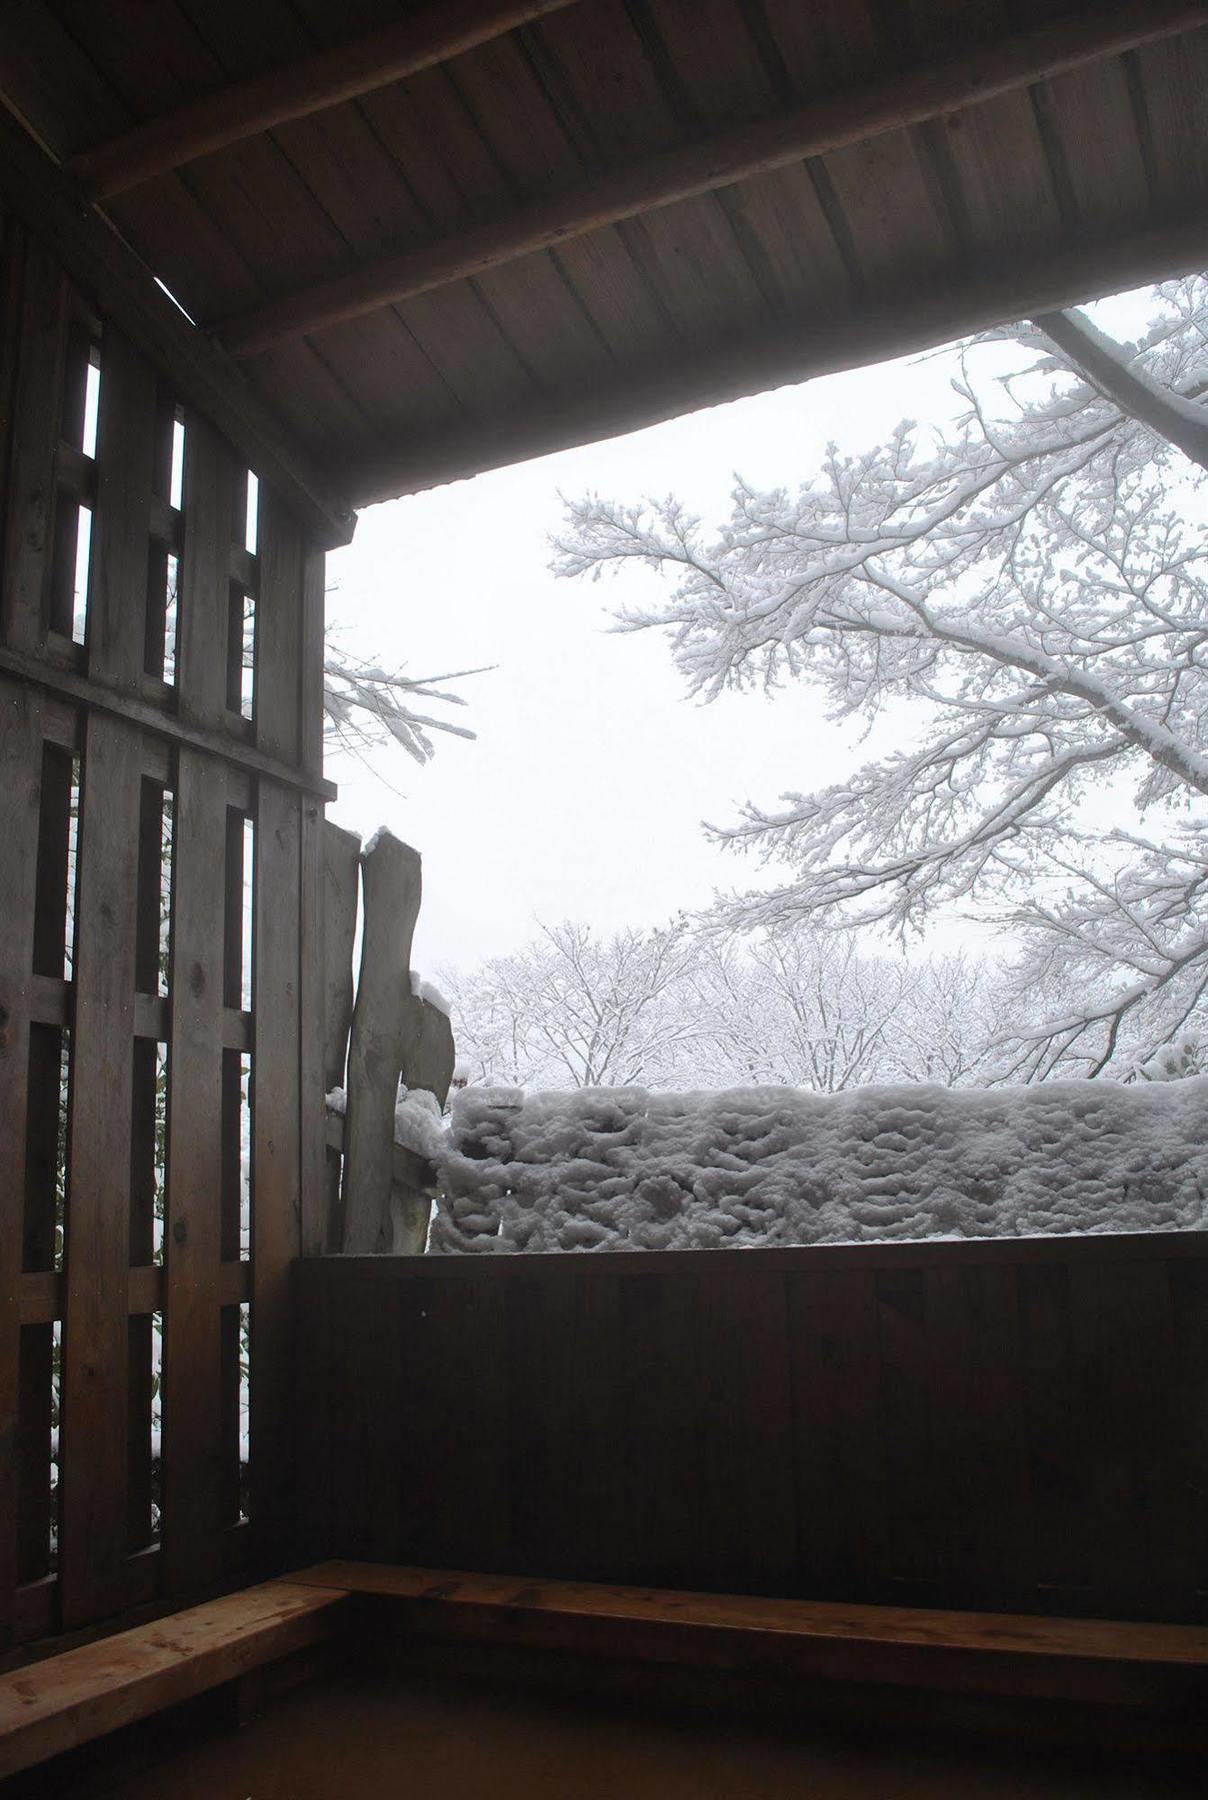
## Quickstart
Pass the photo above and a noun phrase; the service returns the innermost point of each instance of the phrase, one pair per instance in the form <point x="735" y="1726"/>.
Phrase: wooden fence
<point x="1013" y="1425"/>
<point x="377" y="1200"/>
<point x="161" y="1111"/>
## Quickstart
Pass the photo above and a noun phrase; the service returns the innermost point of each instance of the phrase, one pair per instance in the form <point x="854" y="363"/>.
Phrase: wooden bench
<point x="64" y="1701"/>
<point x="812" y="1650"/>
<point x="805" y="1647"/>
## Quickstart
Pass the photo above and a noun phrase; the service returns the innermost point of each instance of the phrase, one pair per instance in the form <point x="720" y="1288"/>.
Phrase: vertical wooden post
<point x="276" y="1010"/>
<point x="96" y="1336"/>
<point x="428" y="1063"/>
<point x="192" y="1485"/>
<point x="36" y="333"/>
<point x="391" y="885"/>
<point x="20" y="790"/>
<point x="341" y="881"/>
<point x="315" y="1225"/>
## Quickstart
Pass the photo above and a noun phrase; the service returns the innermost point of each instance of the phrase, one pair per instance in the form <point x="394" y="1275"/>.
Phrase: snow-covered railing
<point x="387" y="1052"/>
<point x="624" y="1169"/>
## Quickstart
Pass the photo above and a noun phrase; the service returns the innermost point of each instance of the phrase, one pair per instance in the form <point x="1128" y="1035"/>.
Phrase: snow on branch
<point x="1032" y="581"/>
<point x="366" y="705"/>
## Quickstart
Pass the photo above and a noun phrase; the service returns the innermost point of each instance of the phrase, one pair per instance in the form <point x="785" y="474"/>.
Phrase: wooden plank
<point x="205" y="577"/>
<point x="1024" y="1635"/>
<point x="1131" y="1431"/>
<point x="317" y="1223"/>
<point x="125" y="464"/>
<point x="276" y="1141"/>
<point x="737" y="365"/>
<point x="66" y="1701"/>
<point x="942" y="85"/>
<point x="428" y="1059"/>
<point x="276" y="1010"/>
<point x="93" y="1485"/>
<point x="983" y="1497"/>
<point x="36" y="340"/>
<point x="192" y="1419"/>
<point x="665" y="1434"/>
<point x="125" y="292"/>
<point x="840" y="1476"/>
<point x="1059" y="1450"/>
<point x="1187" y="1564"/>
<point x="21" y="757"/>
<point x="743" y="1368"/>
<point x="391" y="885"/>
<point x="421" y="40"/>
<point x="341" y="881"/>
<point x="227" y="743"/>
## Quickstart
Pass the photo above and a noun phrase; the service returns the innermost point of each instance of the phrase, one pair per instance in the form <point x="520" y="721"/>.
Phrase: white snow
<point x="625" y="1169"/>
<point x="418" y="1124"/>
<point x="428" y="990"/>
<point x="337" y="1101"/>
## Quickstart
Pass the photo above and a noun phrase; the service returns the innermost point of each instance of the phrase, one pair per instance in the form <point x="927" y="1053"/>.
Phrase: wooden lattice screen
<point x="161" y="1115"/>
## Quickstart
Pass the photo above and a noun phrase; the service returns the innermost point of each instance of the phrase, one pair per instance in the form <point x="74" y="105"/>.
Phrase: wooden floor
<point x="447" y="1739"/>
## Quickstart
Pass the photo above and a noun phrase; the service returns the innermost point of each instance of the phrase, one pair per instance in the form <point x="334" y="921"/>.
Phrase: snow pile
<point x="428" y="990"/>
<point x="418" y="1124"/>
<point x="621" y="1169"/>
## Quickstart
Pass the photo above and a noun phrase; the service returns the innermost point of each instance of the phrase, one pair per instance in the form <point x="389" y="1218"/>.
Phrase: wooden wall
<point x="1016" y="1425"/>
<point x="156" y="951"/>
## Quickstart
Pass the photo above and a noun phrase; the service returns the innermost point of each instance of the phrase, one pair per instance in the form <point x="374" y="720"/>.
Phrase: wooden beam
<point x="892" y="326"/>
<point x="67" y="1700"/>
<point x="831" y="122"/>
<point x="1107" y="367"/>
<point x="443" y="30"/>
<point x="496" y="1604"/>
<point x="125" y="292"/>
<point x="169" y="726"/>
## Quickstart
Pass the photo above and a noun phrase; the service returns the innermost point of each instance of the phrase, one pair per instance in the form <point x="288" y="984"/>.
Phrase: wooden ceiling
<point x="437" y="239"/>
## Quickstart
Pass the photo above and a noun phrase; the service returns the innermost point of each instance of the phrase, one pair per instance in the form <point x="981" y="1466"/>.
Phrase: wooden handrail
<point x="440" y="32"/>
<point x="831" y="122"/>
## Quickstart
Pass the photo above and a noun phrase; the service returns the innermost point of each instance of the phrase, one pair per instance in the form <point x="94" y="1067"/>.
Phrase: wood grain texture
<point x="20" y="808"/>
<point x="1012" y="1426"/>
<point x="85" y="244"/>
<point x="434" y="35"/>
<point x="391" y="889"/>
<point x="95" y="1346"/>
<point x="80" y="1694"/>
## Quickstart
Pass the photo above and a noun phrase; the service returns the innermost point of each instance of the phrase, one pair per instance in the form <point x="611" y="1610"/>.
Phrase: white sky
<point x="583" y="794"/>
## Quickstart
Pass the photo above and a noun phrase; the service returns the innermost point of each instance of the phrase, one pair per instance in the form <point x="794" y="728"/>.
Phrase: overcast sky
<point x="582" y="795"/>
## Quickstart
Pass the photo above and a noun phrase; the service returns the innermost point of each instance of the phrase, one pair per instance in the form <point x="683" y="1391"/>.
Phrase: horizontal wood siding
<point x="1015" y="1426"/>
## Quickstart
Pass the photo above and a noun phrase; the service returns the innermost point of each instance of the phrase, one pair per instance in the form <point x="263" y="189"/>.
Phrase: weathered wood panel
<point x="122" y="1186"/>
<point x="1016" y="1425"/>
<point x="382" y="1018"/>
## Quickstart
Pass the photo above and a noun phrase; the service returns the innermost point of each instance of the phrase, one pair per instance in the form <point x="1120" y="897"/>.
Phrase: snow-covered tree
<point x="1029" y="588"/>
<point x="574" y="1009"/>
<point x="366" y="705"/>
<point x="807" y="1009"/>
<point x="794" y="1008"/>
<point x="665" y="1009"/>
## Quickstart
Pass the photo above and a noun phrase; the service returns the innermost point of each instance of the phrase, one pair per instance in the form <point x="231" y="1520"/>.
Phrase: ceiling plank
<point x="830" y="123"/>
<point x="898" y="323"/>
<point x="122" y="288"/>
<point x="313" y="83"/>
